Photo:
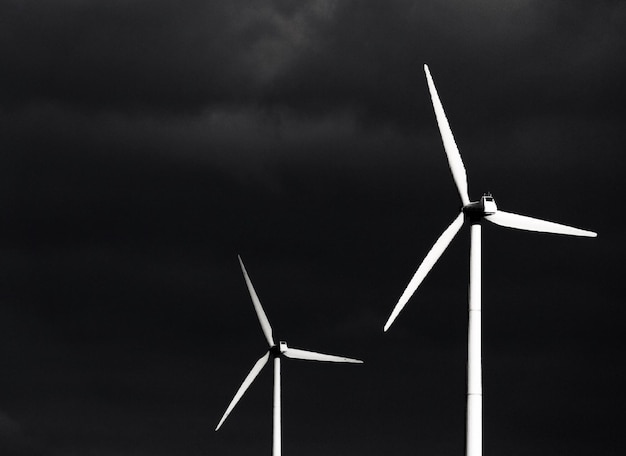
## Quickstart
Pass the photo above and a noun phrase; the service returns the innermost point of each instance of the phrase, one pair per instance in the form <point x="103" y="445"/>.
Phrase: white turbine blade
<point x="265" y="324"/>
<point x="429" y="261"/>
<point x="454" y="157"/>
<point x="313" y="356"/>
<point x="522" y="222"/>
<point x="244" y="386"/>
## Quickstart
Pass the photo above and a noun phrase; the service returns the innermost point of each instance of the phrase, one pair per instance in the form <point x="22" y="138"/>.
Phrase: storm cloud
<point x="145" y="143"/>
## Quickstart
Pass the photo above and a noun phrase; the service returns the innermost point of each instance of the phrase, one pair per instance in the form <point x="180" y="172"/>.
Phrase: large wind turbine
<point x="276" y="352"/>
<point x="474" y="213"/>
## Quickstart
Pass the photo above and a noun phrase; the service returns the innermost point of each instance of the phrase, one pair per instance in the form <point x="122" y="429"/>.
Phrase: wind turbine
<point x="474" y="213"/>
<point x="276" y="352"/>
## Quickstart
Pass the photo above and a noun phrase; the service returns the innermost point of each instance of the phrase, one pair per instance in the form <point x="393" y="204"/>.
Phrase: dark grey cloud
<point x="324" y="55"/>
<point x="147" y="54"/>
<point x="145" y="144"/>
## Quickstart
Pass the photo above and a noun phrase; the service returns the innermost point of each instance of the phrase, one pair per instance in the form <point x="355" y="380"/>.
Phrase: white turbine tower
<point x="474" y="212"/>
<point x="276" y="352"/>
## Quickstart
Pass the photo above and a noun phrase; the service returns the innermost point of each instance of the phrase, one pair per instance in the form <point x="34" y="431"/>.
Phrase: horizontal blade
<point x="244" y="386"/>
<point x="265" y="324"/>
<point x="313" y="356"/>
<point x="522" y="222"/>
<point x="449" y="144"/>
<point x="431" y="258"/>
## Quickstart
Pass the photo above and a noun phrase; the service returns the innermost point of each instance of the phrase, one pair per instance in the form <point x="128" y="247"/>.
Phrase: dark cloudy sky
<point x="143" y="144"/>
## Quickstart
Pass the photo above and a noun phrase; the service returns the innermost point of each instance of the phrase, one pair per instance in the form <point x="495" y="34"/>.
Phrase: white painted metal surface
<point x="449" y="144"/>
<point x="489" y="204"/>
<point x="522" y="222"/>
<point x="429" y="261"/>
<point x="276" y="428"/>
<point x="258" y="308"/>
<point x="474" y="349"/>
<point x="314" y="356"/>
<point x="258" y="366"/>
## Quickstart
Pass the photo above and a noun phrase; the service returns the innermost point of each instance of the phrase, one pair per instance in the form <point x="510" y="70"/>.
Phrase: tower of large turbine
<point x="474" y="213"/>
<point x="276" y="352"/>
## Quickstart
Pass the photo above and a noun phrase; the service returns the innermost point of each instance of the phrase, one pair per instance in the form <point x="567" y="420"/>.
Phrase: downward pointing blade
<point x="265" y="324"/>
<point x="313" y="356"/>
<point x="244" y="386"/>
<point x="429" y="261"/>
<point x="522" y="222"/>
<point x="452" y="151"/>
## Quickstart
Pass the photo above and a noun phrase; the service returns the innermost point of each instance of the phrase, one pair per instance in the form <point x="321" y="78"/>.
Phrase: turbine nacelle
<point x="279" y="350"/>
<point x="478" y="209"/>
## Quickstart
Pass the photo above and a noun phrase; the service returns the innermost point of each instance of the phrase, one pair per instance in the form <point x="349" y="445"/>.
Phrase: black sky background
<point x="144" y="144"/>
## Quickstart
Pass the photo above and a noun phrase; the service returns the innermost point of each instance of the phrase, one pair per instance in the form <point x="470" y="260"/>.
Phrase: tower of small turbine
<point x="474" y="213"/>
<point x="276" y="352"/>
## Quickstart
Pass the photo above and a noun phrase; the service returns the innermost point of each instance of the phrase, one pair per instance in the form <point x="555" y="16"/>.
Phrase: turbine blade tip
<point x="354" y="361"/>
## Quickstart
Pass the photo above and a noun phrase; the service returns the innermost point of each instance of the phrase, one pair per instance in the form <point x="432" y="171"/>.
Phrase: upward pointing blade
<point x="452" y="151"/>
<point x="431" y="258"/>
<point x="265" y="324"/>
<point x="244" y="386"/>
<point x="522" y="222"/>
<point x="313" y="356"/>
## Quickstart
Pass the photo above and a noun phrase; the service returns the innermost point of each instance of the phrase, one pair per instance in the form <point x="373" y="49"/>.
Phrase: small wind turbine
<point x="276" y="352"/>
<point x="474" y="212"/>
